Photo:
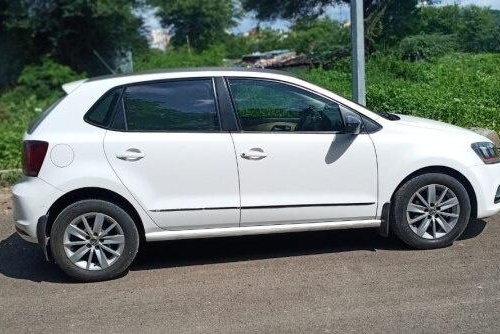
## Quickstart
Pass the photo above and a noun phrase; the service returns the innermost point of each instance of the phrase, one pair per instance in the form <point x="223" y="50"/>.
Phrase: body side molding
<point x="263" y="229"/>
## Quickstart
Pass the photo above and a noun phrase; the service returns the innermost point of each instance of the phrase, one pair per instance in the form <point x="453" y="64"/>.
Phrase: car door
<point x="295" y="163"/>
<point x="172" y="155"/>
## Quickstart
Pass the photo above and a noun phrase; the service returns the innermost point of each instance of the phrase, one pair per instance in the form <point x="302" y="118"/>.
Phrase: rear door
<point x="172" y="155"/>
<point x="296" y="163"/>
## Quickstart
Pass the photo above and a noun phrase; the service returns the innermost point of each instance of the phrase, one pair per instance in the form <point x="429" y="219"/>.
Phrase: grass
<point x="461" y="89"/>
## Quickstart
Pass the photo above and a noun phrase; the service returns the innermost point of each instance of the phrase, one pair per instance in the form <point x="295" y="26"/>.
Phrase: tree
<point x="70" y="30"/>
<point x="386" y="21"/>
<point x="480" y="30"/>
<point x="477" y="29"/>
<point x="323" y="40"/>
<point x="201" y="22"/>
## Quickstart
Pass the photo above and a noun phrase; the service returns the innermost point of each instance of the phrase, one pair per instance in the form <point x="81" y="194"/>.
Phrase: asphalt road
<point x="325" y="282"/>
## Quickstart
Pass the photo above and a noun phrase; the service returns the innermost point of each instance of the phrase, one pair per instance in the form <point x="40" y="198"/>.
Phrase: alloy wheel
<point x="433" y="211"/>
<point x="93" y="241"/>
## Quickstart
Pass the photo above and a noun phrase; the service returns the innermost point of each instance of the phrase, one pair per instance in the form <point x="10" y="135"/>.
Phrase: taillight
<point x="34" y="152"/>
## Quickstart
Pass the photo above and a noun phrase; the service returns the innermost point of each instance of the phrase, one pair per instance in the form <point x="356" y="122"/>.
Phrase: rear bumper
<point x="486" y="182"/>
<point x="32" y="198"/>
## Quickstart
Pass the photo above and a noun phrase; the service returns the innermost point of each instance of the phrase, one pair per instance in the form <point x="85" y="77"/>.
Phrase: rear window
<point x="101" y="113"/>
<point x="38" y="120"/>
<point x="183" y="105"/>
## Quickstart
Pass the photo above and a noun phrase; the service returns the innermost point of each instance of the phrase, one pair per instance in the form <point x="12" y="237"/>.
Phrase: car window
<point x="270" y="106"/>
<point x="187" y="105"/>
<point x="102" y="111"/>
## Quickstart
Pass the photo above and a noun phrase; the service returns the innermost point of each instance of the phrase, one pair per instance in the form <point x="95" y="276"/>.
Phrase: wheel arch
<point x="447" y="171"/>
<point x="93" y="193"/>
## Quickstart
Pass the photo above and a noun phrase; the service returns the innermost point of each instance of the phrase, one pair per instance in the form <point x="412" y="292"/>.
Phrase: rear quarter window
<point x="102" y="111"/>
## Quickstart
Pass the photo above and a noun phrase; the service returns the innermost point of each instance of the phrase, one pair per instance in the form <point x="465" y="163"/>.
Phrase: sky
<point x="340" y="13"/>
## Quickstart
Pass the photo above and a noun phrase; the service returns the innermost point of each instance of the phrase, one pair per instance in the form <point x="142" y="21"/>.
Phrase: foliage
<point x="42" y="80"/>
<point x="477" y="29"/>
<point x="70" y="30"/>
<point x="461" y="89"/>
<point x="259" y="39"/>
<point x="457" y="88"/>
<point x="38" y="86"/>
<point x="10" y="177"/>
<point x="480" y="30"/>
<point x="321" y="39"/>
<point x="424" y="47"/>
<point x="386" y="21"/>
<point x="181" y="57"/>
<point x="202" y="22"/>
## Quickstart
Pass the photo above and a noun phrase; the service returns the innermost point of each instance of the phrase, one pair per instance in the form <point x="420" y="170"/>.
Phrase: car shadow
<point x="181" y="253"/>
<point x="22" y="260"/>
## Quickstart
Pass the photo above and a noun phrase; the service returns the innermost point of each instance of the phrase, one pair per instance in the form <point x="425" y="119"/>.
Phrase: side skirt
<point x="263" y="229"/>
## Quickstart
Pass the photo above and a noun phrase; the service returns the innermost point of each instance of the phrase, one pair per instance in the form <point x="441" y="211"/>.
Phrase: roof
<point x="190" y="69"/>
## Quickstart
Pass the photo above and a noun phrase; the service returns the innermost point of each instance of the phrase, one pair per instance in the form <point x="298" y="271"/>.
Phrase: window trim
<point x="240" y="129"/>
<point x="149" y="82"/>
<point x="113" y="112"/>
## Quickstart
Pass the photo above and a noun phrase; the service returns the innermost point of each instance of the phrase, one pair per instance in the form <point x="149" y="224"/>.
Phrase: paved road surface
<point x="338" y="281"/>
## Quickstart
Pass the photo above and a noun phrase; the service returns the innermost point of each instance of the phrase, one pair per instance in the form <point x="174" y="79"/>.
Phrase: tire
<point x="408" y="208"/>
<point x="111" y="253"/>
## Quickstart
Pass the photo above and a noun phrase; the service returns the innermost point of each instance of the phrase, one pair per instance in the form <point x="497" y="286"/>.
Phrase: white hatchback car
<point x="225" y="152"/>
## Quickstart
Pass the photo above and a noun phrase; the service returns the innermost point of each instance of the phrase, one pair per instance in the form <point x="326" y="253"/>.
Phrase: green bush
<point x="180" y="57"/>
<point x="38" y="86"/>
<point x="43" y="79"/>
<point x="477" y="28"/>
<point x="458" y="88"/>
<point x="323" y="40"/>
<point x="480" y="30"/>
<point x="424" y="47"/>
<point x="461" y="89"/>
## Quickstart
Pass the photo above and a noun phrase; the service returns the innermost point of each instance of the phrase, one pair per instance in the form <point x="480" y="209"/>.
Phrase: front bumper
<point x="486" y="182"/>
<point x="32" y="198"/>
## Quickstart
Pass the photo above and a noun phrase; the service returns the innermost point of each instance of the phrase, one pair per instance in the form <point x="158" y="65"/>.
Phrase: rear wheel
<point x="94" y="240"/>
<point x="430" y="211"/>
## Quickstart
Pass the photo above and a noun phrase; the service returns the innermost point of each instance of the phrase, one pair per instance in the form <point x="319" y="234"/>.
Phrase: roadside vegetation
<point x="435" y="62"/>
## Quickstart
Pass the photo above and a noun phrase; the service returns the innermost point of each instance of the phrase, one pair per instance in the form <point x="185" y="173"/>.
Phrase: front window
<point x="269" y="106"/>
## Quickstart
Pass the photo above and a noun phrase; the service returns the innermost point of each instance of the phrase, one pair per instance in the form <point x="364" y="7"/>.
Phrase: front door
<point x="173" y="157"/>
<point x="295" y="164"/>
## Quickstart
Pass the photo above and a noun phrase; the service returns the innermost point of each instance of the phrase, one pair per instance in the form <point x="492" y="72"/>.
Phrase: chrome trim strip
<point x="263" y="229"/>
<point x="265" y="207"/>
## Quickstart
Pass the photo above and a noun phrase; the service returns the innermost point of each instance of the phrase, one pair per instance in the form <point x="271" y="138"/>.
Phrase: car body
<point x="229" y="172"/>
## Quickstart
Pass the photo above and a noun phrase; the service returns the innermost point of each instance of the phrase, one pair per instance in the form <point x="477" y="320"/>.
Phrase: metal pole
<point x="358" y="52"/>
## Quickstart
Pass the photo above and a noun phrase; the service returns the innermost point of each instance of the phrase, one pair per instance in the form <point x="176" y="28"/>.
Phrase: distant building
<point x="159" y="39"/>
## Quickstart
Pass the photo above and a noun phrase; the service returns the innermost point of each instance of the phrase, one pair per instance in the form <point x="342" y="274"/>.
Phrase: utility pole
<point x="358" y="52"/>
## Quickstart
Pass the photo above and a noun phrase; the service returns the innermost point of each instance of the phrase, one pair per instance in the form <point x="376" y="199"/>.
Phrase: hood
<point x="445" y="128"/>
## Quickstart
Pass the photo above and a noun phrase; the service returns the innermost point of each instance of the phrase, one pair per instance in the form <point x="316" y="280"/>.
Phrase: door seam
<point x="239" y="179"/>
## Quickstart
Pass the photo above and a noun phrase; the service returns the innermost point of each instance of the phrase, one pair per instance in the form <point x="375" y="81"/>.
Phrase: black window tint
<point x="272" y="106"/>
<point x="171" y="106"/>
<point x="102" y="111"/>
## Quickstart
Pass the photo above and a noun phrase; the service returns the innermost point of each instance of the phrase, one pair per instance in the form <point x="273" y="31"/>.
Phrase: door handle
<point x="132" y="154"/>
<point x="254" y="154"/>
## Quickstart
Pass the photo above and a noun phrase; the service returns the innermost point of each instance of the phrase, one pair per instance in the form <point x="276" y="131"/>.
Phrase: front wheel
<point x="430" y="211"/>
<point x="94" y="240"/>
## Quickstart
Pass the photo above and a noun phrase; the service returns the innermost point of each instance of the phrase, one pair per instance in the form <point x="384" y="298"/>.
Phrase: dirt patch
<point x="5" y="200"/>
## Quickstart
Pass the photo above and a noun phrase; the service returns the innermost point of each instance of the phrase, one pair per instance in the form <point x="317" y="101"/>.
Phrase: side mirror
<point x="353" y="124"/>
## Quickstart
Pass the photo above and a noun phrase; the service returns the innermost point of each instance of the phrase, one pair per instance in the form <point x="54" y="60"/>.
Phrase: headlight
<point x="488" y="152"/>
